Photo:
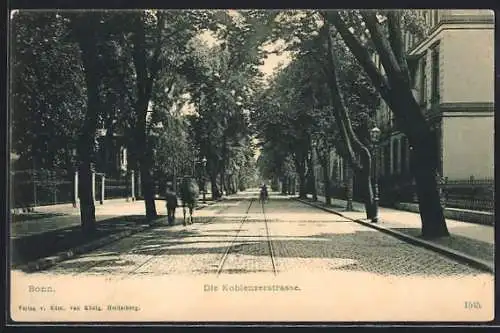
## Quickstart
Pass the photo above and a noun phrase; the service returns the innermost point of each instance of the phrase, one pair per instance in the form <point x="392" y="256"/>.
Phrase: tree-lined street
<point x="117" y="113"/>
<point x="238" y="236"/>
<point x="212" y="270"/>
<point x="177" y="89"/>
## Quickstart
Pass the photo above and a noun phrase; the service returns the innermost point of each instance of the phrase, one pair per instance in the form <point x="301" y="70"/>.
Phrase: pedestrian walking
<point x="171" y="198"/>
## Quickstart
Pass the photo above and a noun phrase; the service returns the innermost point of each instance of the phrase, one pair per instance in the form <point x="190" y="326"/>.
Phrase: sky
<point x="271" y="64"/>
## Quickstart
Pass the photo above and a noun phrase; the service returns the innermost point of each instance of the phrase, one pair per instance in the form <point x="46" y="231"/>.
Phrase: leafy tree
<point x="87" y="30"/>
<point x="48" y="101"/>
<point x="223" y="78"/>
<point x="384" y="30"/>
<point x="157" y="40"/>
<point x="366" y="32"/>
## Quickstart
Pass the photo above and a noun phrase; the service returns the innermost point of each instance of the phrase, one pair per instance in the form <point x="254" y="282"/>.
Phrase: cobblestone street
<point x="300" y="237"/>
<point x="237" y="243"/>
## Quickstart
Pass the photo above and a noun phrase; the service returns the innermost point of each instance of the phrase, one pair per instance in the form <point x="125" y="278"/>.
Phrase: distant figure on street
<point x="189" y="197"/>
<point x="264" y="196"/>
<point x="171" y="198"/>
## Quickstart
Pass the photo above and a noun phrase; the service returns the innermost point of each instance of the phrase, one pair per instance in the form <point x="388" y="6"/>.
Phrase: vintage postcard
<point x="251" y="165"/>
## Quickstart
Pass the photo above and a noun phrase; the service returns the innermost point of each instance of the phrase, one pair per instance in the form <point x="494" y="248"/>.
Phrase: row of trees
<point x="132" y="73"/>
<point x="75" y="72"/>
<point x="326" y="97"/>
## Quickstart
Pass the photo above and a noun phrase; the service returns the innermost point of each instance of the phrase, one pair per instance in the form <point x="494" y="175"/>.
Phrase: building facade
<point x="452" y="73"/>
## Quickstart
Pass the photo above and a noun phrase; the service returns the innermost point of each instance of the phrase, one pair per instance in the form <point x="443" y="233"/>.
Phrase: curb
<point x="453" y="254"/>
<point x="47" y="262"/>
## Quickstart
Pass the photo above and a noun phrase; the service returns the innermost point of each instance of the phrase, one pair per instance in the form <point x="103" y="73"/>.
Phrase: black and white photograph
<point x="251" y="165"/>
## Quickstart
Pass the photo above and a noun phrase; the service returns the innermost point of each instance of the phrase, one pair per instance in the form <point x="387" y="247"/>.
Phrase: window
<point x="404" y="147"/>
<point x="423" y="80"/>
<point x="436" y="16"/>
<point x="435" y="73"/>
<point x="395" y="156"/>
<point x="124" y="159"/>
<point x="387" y="160"/>
<point x="380" y="161"/>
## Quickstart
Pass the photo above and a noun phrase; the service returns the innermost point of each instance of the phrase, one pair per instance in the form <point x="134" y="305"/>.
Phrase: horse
<point x="171" y="199"/>
<point x="189" y="197"/>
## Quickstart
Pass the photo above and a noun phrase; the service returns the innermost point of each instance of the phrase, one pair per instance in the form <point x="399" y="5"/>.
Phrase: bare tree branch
<point x="359" y="51"/>
<point x="387" y="56"/>
<point x="396" y="40"/>
<point x="340" y="114"/>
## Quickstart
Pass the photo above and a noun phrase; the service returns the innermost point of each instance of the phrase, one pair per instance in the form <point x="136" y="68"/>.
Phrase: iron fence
<point x="31" y="188"/>
<point x="115" y="188"/>
<point x="473" y="194"/>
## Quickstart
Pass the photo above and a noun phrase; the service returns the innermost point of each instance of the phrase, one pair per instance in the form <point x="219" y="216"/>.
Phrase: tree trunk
<point x="147" y="189"/>
<point x="365" y="179"/>
<point x="222" y="182"/>
<point x="89" y="55"/>
<point x="284" y="189"/>
<point x="213" y="184"/>
<point x="326" y="176"/>
<point x="349" y="189"/>
<point x="300" y="166"/>
<point x="424" y="163"/>
<point x="312" y="177"/>
<point x="87" y="207"/>
<point x="352" y="143"/>
<point x="145" y="163"/>
<point x="145" y="77"/>
<point x="395" y="89"/>
<point x="314" y="189"/>
<point x="302" y="186"/>
<point x="431" y="211"/>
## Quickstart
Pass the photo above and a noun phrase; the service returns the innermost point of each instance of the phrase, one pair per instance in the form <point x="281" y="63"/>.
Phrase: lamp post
<point x="101" y="152"/>
<point x="75" y="177"/>
<point x="204" y="161"/>
<point x="313" y="171"/>
<point x="375" y="136"/>
<point x="236" y="182"/>
<point x="229" y="180"/>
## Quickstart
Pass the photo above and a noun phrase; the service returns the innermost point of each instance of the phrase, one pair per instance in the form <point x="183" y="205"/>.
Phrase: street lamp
<point x="74" y="154"/>
<point x="375" y="136"/>
<point x="313" y="171"/>
<point x="204" y="161"/>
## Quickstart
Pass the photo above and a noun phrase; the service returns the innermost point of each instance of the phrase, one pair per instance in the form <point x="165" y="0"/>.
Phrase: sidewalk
<point x="51" y="218"/>
<point x="39" y="243"/>
<point x="470" y="239"/>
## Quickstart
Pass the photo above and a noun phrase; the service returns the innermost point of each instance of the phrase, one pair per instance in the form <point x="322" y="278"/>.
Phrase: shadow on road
<point x="365" y="251"/>
<point x="476" y="248"/>
<point x="49" y="243"/>
<point x="34" y="216"/>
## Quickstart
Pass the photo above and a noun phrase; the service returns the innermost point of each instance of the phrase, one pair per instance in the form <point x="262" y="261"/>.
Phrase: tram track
<point x="133" y="245"/>
<point x="233" y="244"/>
<point x="156" y="253"/>
<point x="269" y="241"/>
<point x="230" y="249"/>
